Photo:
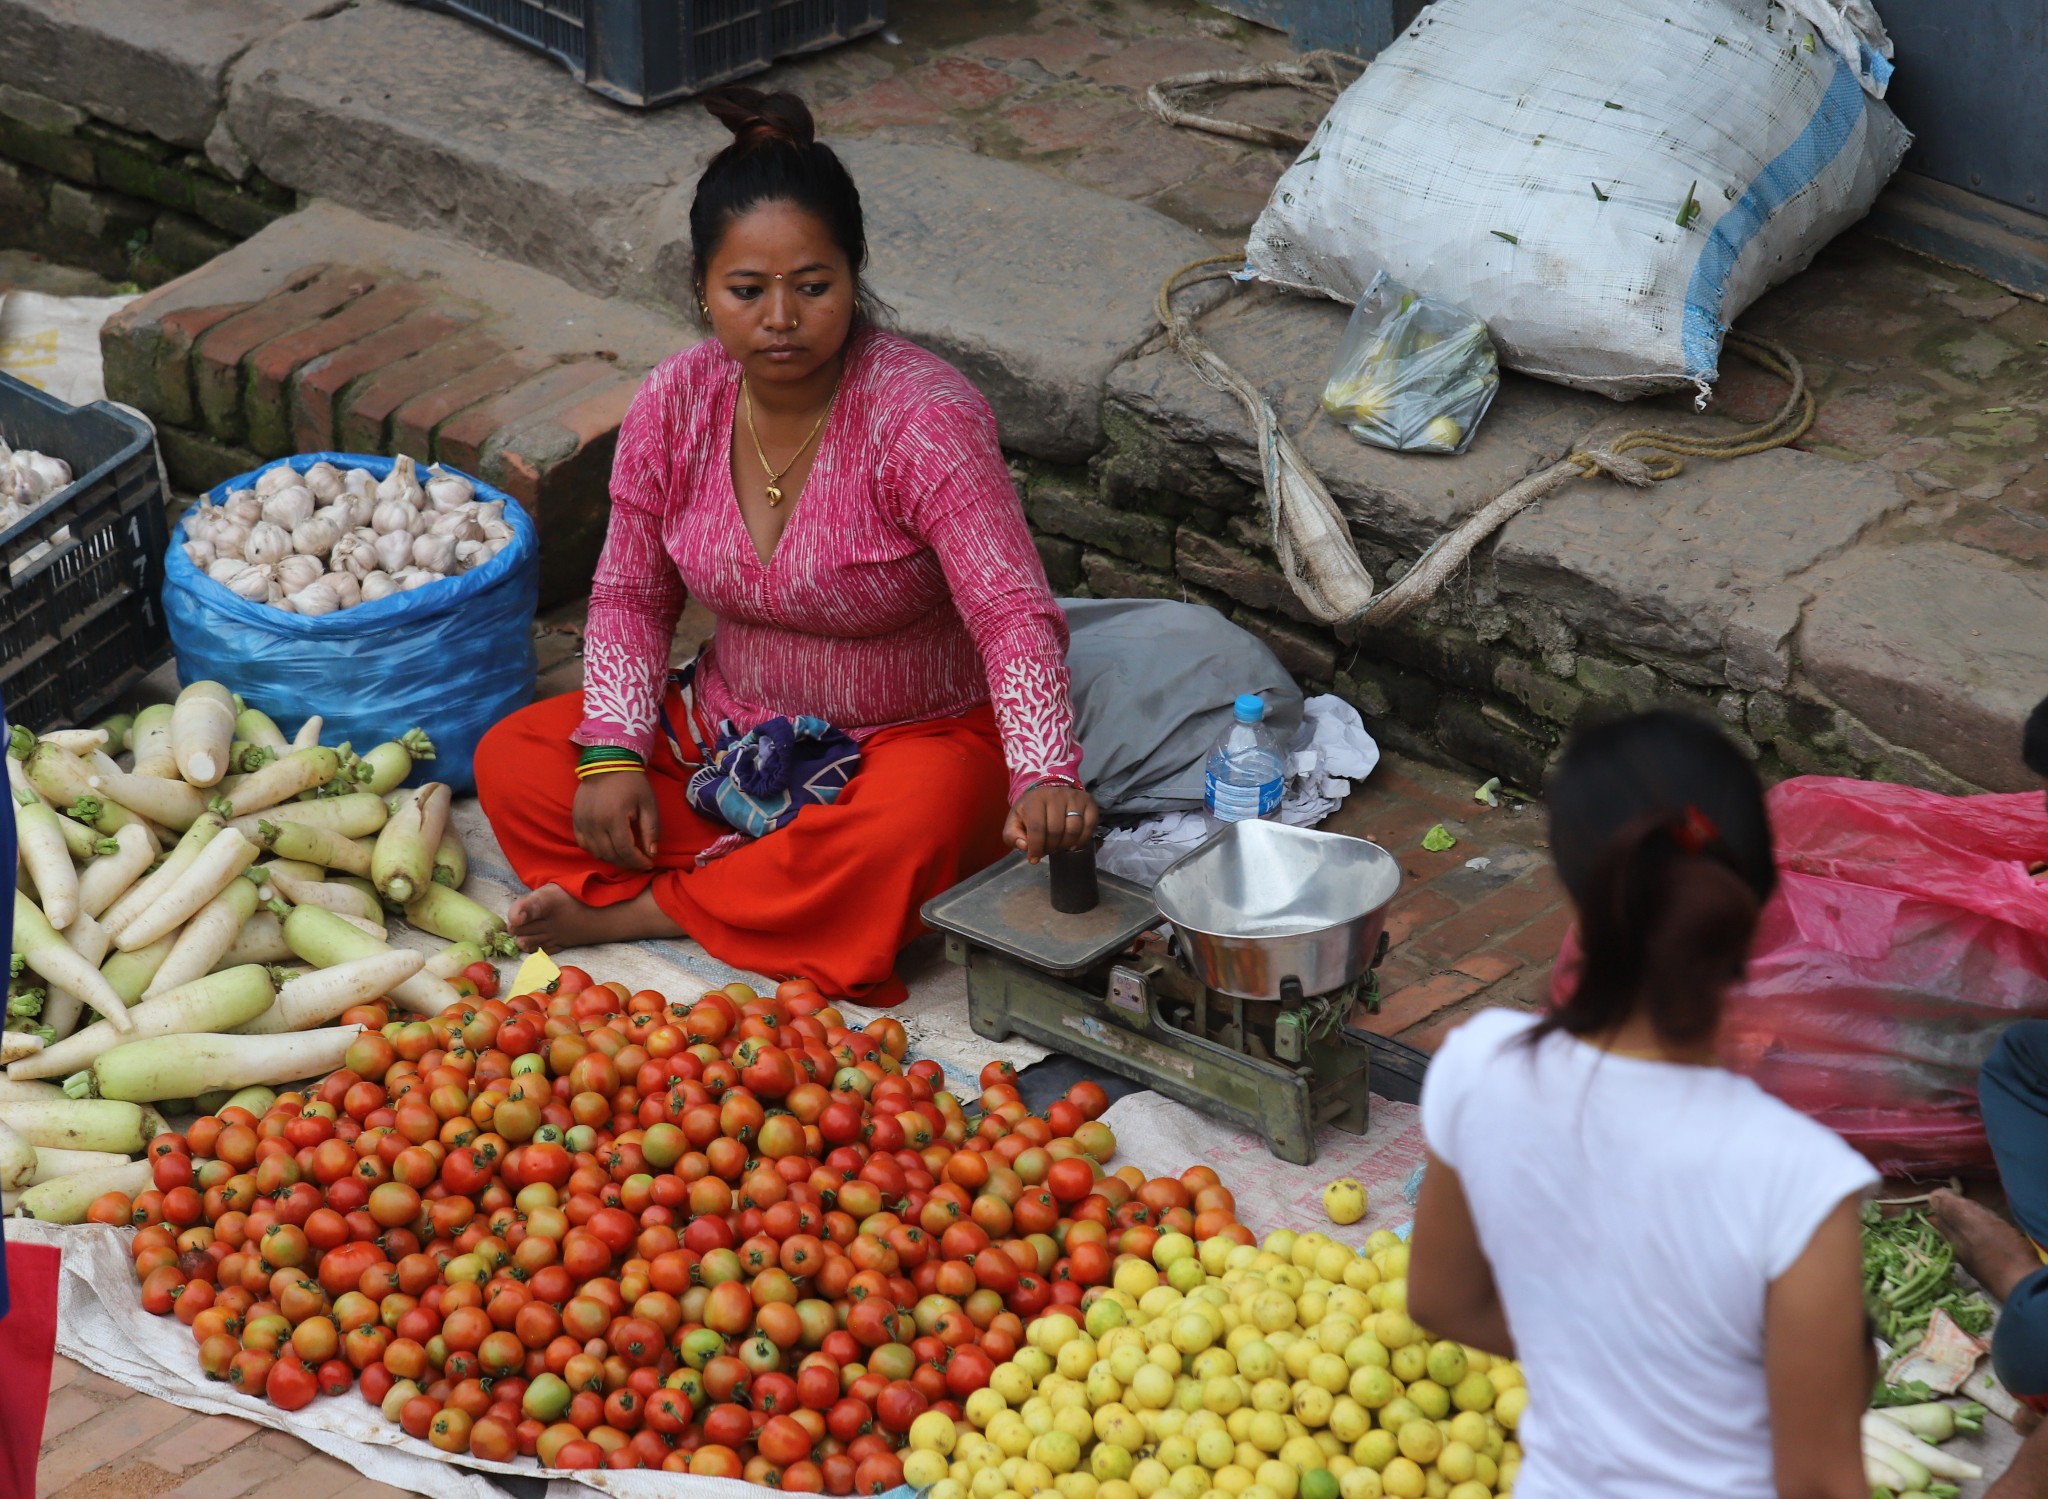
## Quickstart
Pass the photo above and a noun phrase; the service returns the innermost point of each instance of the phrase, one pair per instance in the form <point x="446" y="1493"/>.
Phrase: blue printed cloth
<point x="757" y="781"/>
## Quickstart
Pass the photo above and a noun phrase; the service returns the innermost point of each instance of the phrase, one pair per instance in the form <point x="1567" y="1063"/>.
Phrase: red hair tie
<point x="1694" y="830"/>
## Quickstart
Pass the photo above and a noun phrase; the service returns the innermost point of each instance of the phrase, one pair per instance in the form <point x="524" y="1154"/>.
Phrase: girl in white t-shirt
<point x="1673" y="1254"/>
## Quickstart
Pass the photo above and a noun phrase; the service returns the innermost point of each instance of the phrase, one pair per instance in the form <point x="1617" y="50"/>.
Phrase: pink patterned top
<point x="906" y="586"/>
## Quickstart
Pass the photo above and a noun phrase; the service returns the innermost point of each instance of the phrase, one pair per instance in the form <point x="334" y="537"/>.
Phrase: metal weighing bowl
<point x="1262" y="902"/>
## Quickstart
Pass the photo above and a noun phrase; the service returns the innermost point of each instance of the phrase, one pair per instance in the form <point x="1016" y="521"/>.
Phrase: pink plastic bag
<point x="1904" y="936"/>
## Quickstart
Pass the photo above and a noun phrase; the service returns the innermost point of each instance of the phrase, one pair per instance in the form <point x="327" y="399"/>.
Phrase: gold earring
<point x="705" y="309"/>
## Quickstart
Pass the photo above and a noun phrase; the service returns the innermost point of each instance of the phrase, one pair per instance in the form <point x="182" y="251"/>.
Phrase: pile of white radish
<point x="217" y="896"/>
<point x="324" y="540"/>
<point x="1899" y="1452"/>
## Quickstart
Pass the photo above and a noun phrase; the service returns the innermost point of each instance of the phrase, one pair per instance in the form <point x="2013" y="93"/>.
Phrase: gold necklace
<point x="774" y="478"/>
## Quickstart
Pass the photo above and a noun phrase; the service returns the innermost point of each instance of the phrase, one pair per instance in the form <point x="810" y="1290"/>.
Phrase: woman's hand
<point x="616" y="820"/>
<point x="1050" y="819"/>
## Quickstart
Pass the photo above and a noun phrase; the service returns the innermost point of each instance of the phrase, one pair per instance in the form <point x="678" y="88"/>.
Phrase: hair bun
<point x="759" y="119"/>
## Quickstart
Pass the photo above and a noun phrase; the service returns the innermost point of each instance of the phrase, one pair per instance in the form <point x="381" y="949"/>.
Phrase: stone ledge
<point x="158" y="67"/>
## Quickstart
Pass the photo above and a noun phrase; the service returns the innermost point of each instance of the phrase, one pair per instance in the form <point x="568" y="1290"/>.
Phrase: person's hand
<point x="1050" y="819"/>
<point x="616" y="820"/>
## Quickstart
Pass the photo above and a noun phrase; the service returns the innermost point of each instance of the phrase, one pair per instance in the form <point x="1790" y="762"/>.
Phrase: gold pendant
<point x="774" y="495"/>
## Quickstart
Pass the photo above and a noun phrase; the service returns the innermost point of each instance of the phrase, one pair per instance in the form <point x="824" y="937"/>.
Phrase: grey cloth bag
<point x="1154" y="683"/>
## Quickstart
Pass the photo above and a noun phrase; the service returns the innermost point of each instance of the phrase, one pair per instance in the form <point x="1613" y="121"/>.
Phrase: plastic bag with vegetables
<point x="1412" y="373"/>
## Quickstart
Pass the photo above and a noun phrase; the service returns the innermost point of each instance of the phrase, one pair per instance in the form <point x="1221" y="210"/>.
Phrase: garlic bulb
<point x="377" y="585"/>
<point x="315" y="598"/>
<point x="289" y="505"/>
<point x="267" y="542"/>
<point x="458" y="524"/>
<point x="226" y="569"/>
<point x="491" y="518"/>
<point x="394" y="550"/>
<point x="199" y="553"/>
<point x="316" y="535"/>
<point x="392" y="515"/>
<point x="254" y="583"/>
<point x="498" y="544"/>
<point x="352" y="555"/>
<point x="347" y="590"/>
<point x="470" y="553"/>
<point x="271" y="480"/>
<point x="435" y="553"/>
<point x="243" y="505"/>
<point x="446" y="491"/>
<point x="402" y="483"/>
<point x="229" y="538"/>
<point x="416" y="577"/>
<point x="324" y="479"/>
<point x="50" y="474"/>
<point x="294" y="573"/>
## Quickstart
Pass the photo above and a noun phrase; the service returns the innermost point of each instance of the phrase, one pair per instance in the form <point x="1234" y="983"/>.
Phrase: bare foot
<point x="1987" y="1246"/>
<point x="551" y="917"/>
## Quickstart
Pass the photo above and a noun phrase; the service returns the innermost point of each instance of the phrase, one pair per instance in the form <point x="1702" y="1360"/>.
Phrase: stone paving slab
<point x="157" y="67"/>
<point x="1936" y="646"/>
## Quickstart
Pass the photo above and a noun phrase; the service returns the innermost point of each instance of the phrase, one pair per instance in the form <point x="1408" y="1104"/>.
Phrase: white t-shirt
<point x="1634" y="1213"/>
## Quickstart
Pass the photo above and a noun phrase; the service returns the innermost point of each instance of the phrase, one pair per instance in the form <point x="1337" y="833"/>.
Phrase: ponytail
<point x="1660" y="834"/>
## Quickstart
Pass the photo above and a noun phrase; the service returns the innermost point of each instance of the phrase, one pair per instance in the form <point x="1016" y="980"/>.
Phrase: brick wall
<point x="131" y="207"/>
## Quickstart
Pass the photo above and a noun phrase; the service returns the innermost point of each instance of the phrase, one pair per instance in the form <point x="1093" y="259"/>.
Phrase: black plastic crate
<point x="646" y="52"/>
<point x="81" y="577"/>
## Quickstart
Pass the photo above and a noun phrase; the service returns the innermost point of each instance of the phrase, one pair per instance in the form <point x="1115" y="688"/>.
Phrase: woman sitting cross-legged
<point x="888" y="665"/>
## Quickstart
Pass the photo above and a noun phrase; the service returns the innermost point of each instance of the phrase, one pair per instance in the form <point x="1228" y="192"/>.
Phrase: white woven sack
<point x="1534" y="163"/>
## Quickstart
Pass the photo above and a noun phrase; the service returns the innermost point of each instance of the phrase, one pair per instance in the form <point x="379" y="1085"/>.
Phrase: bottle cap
<point x="1250" y="708"/>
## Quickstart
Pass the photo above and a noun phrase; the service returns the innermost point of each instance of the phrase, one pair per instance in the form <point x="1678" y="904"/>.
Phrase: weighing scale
<point x="1227" y="988"/>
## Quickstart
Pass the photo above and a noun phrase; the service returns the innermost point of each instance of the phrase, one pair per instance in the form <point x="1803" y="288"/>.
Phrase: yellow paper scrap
<point x="535" y="975"/>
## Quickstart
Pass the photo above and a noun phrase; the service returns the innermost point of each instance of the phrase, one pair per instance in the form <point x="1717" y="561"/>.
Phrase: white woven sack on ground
<point x="1607" y="183"/>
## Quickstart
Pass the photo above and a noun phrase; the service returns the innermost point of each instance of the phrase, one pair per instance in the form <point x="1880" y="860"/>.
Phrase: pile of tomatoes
<point x="733" y="1238"/>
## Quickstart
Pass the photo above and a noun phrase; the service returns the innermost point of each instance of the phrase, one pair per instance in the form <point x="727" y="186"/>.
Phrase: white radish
<point x="63" y="1007"/>
<point x="130" y="972"/>
<point x="322" y="846"/>
<point x="66" y="781"/>
<point x="170" y="803"/>
<point x="44" y="949"/>
<point x="1880" y="1427"/>
<point x="454" y="916"/>
<point x="78" y="741"/>
<point x="1880" y="1473"/>
<point x="144" y="892"/>
<point x="17" y="1092"/>
<point x="302" y="885"/>
<point x="225" y="856"/>
<point x="77" y="1124"/>
<point x="215" y="1002"/>
<point x="206" y="938"/>
<point x="451" y="860"/>
<point x="51" y="1164"/>
<point x="17" y="1161"/>
<point x="356" y="814"/>
<point x="108" y="877"/>
<point x="14" y="1045"/>
<point x="308" y="736"/>
<point x="366" y="926"/>
<point x="257" y="727"/>
<point x="402" y="864"/>
<point x="40" y="836"/>
<point x="202" y="728"/>
<point x="69" y="1198"/>
<point x="326" y="941"/>
<point x="322" y="995"/>
<point x="185" y="1066"/>
<point x="300" y="771"/>
<point x="151" y="737"/>
<point x="261" y="940"/>
<point x="449" y="962"/>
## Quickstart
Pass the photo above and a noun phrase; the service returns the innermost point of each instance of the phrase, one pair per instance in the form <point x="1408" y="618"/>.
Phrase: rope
<point x="1313" y="73"/>
<point x="1313" y="540"/>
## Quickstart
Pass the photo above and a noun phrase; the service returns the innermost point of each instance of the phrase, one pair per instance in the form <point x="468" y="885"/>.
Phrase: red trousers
<point x="832" y="897"/>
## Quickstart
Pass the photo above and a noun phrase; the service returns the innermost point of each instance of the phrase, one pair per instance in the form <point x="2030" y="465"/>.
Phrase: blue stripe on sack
<point x="1782" y="179"/>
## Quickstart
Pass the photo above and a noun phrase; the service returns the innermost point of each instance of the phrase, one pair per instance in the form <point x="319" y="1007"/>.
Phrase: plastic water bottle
<point x="1247" y="771"/>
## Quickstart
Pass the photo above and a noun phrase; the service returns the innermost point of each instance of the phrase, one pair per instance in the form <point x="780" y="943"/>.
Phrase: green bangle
<point x="595" y="754"/>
